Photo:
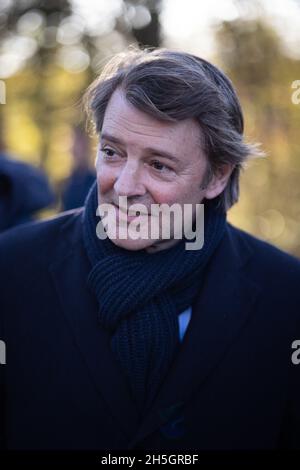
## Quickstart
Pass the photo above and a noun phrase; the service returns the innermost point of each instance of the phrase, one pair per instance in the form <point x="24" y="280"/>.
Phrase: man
<point x="81" y="178"/>
<point x="119" y="337"/>
<point x="24" y="190"/>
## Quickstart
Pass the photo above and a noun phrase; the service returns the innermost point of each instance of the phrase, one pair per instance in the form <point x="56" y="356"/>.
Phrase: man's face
<point x="149" y="162"/>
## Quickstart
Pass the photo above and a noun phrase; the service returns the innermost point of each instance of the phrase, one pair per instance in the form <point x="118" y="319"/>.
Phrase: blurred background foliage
<point x="50" y="52"/>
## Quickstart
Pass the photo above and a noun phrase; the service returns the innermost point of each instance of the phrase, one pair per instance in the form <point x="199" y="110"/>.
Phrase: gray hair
<point x="172" y="86"/>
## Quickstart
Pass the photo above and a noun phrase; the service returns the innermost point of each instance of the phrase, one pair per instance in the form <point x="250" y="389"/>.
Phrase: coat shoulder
<point x="267" y="259"/>
<point x="35" y="240"/>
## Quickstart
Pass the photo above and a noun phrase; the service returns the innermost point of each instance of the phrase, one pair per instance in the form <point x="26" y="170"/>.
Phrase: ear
<point x="218" y="181"/>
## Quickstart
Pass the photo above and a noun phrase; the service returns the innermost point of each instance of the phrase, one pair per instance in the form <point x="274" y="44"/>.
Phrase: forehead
<point x="122" y="119"/>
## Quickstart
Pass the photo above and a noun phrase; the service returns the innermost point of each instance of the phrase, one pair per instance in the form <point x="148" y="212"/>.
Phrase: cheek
<point x="178" y="193"/>
<point x="165" y="195"/>
<point x="105" y="178"/>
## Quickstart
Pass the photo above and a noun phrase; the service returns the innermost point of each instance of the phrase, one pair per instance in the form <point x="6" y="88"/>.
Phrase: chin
<point x="151" y="246"/>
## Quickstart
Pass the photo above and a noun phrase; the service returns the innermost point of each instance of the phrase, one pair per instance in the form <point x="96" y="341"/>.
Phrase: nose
<point x="129" y="182"/>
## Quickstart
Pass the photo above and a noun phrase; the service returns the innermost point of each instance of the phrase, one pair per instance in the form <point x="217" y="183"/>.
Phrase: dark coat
<point x="232" y="386"/>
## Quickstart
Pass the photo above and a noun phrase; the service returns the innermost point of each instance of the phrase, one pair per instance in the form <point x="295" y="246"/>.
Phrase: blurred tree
<point x="58" y="57"/>
<point x="251" y="54"/>
<point x="144" y="21"/>
<point x="38" y="22"/>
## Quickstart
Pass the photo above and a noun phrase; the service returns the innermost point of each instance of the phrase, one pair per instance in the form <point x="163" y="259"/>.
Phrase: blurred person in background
<point x="83" y="176"/>
<point x="24" y="190"/>
<point x="139" y="343"/>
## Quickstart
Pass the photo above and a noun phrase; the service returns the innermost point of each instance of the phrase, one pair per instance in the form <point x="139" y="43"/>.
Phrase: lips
<point x="126" y="212"/>
<point x="123" y="215"/>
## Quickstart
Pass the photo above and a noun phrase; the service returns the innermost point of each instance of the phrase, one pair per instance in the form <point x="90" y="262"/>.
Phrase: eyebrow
<point x="152" y="150"/>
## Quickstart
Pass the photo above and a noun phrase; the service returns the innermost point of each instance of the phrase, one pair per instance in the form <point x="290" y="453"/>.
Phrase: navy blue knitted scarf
<point x="140" y="296"/>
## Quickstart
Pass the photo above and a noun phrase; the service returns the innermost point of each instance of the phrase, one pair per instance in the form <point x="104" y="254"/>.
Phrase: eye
<point x="109" y="152"/>
<point x="157" y="165"/>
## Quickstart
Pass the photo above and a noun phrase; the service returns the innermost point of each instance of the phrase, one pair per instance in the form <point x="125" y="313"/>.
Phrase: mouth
<point x="124" y="215"/>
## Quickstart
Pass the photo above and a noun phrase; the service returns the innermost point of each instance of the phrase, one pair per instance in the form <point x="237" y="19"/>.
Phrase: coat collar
<point x="226" y="299"/>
